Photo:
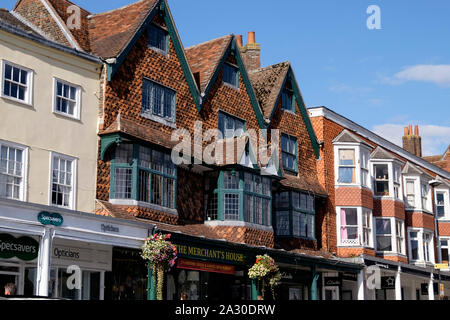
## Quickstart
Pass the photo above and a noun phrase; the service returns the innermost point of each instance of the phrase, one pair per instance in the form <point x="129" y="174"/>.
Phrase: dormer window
<point x="410" y="194"/>
<point x="381" y="179"/>
<point x="158" y="39"/>
<point x="231" y="75"/>
<point x="158" y="102"/>
<point x="287" y="100"/>
<point x="386" y="172"/>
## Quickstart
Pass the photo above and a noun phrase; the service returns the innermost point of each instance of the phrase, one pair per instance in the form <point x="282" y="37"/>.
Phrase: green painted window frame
<point x="295" y="154"/>
<point x="241" y="192"/>
<point x="136" y="168"/>
<point x="154" y="26"/>
<point x="292" y="209"/>
<point x="236" y="69"/>
<point x="291" y="96"/>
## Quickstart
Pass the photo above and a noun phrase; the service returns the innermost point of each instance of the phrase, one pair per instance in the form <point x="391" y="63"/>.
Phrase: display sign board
<point x="209" y="253"/>
<point x="441" y="266"/>
<point x="24" y="248"/>
<point x="85" y="255"/>
<point x="49" y="218"/>
<point x="332" y="281"/>
<point x="388" y="282"/>
<point x="204" y="266"/>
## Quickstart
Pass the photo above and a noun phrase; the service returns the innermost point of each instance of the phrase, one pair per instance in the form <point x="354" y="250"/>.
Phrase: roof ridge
<point x="117" y="9"/>
<point x="203" y="43"/>
<point x="30" y="25"/>
<point x="273" y="66"/>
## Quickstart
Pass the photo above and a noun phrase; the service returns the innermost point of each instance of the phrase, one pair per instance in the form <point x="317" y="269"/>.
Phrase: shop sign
<point x="332" y="281"/>
<point x="350" y="277"/>
<point x="205" y="266"/>
<point x="110" y="228"/>
<point x="218" y="255"/>
<point x="441" y="266"/>
<point x="49" y="218"/>
<point x="388" y="282"/>
<point x="24" y="248"/>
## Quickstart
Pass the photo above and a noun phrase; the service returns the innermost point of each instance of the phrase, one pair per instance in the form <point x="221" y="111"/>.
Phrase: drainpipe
<point x="151" y="285"/>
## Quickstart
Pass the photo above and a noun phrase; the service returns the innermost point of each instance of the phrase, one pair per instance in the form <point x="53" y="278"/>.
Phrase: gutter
<point x="21" y="33"/>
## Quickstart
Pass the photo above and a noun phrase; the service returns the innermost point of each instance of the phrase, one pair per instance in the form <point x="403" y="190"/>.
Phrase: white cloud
<point x="435" y="139"/>
<point x="438" y="74"/>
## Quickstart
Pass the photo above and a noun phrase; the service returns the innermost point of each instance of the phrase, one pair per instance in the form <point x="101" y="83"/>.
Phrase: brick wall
<point x="389" y="208"/>
<point x="358" y="197"/>
<point x="419" y="220"/>
<point x="444" y="229"/>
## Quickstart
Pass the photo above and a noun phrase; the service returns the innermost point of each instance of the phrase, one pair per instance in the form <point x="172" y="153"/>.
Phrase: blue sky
<point x="382" y="79"/>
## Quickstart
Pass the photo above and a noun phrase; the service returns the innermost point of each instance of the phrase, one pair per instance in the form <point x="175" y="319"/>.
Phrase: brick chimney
<point x="251" y="52"/>
<point x="412" y="142"/>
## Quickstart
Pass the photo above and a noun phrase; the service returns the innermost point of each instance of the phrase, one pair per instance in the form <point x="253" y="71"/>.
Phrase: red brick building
<point x="387" y="206"/>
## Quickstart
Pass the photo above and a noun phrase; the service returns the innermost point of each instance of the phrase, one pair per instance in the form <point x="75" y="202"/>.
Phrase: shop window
<point x="384" y="235"/>
<point x="230" y="126"/>
<point x="155" y="178"/>
<point x="231" y="75"/>
<point x="289" y="152"/>
<point x="17" y="82"/>
<point x="158" y="38"/>
<point x="347" y="166"/>
<point x="62" y="188"/>
<point x="381" y="179"/>
<point x="12" y="164"/>
<point x="158" y="102"/>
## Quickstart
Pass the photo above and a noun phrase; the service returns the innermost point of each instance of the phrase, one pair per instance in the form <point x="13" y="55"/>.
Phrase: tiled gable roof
<point x="347" y="136"/>
<point x="268" y="83"/>
<point x="381" y="154"/>
<point x="205" y="57"/>
<point x="304" y="183"/>
<point x="412" y="169"/>
<point x="81" y="35"/>
<point x="11" y="20"/>
<point x="111" y="31"/>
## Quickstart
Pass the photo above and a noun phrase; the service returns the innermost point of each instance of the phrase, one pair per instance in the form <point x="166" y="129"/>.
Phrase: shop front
<point x="58" y="253"/>
<point x="209" y="270"/>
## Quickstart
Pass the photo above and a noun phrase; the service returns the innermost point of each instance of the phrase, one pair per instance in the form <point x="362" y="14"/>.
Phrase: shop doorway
<point x="331" y="293"/>
<point x="9" y="275"/>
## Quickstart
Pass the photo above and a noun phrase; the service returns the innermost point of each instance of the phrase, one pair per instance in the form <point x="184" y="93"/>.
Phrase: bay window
<point x="400" y="236"/>
<point x="349" y="226"/>
<point x="386" y="176"/>
<point x="364" y="168"/>
<point x="239" y="196"/>
<point x="421" y="247"/>
<point x="410" y="193"/>
<point x="143" y="174"/>
<point x="381" y="175"/>
<point x="347" y="164"/>
<point x="384" y="235"/>
<point x="424" y="192"/>
<point x="397" y="181"/>
<point x="295" y="215"/>
<point x="440" y="204"/>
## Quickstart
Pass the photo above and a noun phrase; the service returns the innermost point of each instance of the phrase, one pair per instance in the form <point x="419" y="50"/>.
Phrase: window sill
<point x="163" y="121"/>
<point x="230" y="85"/>
<point x="66" y="116"/>
<point x="229" y="223"/>
<point x="164" y="53"/>
<point x="24" y="103"/>
<point x="289" y="111"/>
<point x="143" y="205"/>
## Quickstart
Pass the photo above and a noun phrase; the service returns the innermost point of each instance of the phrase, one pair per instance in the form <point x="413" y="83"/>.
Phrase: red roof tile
<point x="205" y="57"/>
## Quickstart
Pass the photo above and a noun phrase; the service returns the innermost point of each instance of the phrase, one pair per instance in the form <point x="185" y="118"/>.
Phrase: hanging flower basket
<point x="266" y="272"/>
<point x="161" y="255"/>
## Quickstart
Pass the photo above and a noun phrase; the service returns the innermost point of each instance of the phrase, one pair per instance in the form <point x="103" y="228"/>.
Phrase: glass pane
<point x="231" y="207"/>
<point x="124" y="153"/>
<point x="381" y="172"/>
<point x="282" y="200"/>
<point x="346" y="175"/>
<point x="248" y="182"/>
<point x="157" y="189"/>
<point x="145" y="155"/>
<point x="296" y="200"/>
<point x="282" y="223"/>
<point x="16" y="74"/>
<point x="347" y="157"/>
<point x="351" y="217"/>
<point x="384" y="243"/>
<point x="414" y="249"/>
<point x="8" y="71"/>
<point x="383" y="226"/>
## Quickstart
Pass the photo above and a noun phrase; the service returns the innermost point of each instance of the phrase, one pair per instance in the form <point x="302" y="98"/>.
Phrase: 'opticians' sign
<point x="49" y="218"/>
<point x="24" y="248"/>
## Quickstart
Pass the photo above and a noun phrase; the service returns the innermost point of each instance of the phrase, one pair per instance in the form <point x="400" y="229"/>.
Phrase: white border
<point x="77" y="111"/>
<point x="29" y="94"/>
<point x="24" y="187"/>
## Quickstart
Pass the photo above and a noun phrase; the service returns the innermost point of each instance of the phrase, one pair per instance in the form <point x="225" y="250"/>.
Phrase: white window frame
<point x="29" y="92"/>
<point x="24" y="184"/>
<point x="394" y="236"/>
<point x="365" y="167"/>
<point x="392" y="183"/>
<point x="73" y="196"/>
<point x="77" y="112"/>
<point x="359" y="242"/>
<point x="417" y="193"/>
<point x="446" y="247"/>
<point x="446" y="193"/>
<point x="420" y="236"/>
<point x="369" y="228"/>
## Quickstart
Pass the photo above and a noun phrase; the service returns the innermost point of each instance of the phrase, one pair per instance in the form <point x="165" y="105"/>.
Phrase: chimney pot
<point x="406" y="131"/>
<point x="239" y="40"/>
<point x="416" y="131"/>
<point x="410" y="130"/>
<point x="251" y="37"/>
